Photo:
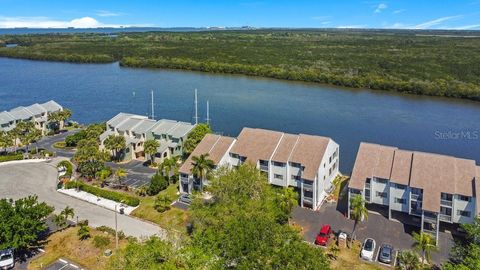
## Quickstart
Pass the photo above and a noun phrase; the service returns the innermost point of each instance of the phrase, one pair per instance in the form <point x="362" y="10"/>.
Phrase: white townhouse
<point x="430" y="190"/>
<point x="137" y="129"/>
<point x="37" y="113"/>
<point x="306" y="162"/>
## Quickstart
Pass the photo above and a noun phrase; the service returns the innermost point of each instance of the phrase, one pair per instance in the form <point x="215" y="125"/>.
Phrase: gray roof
<point x="36" y="109"/>
<point x="20" y="113"/>
<point x="171" y="127"/>
<point x="143" y="126"/>
<point x="5" y="117"/>
<point x="119" y="118"/>
<point x="51" y="106"/>
<point x="181" y="129"/>
<point x="129" y="124"/>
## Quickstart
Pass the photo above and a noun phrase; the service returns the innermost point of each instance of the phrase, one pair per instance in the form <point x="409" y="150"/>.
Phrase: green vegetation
<point x="21" y="222"/>
<point x="68" y="168"/>
<point x="466" y="255"/>
<point x="358" y="211"/>
<point x="424" y="243"/>
<point x="194" y="137"/>
<point x="11" y="157"/>
<point x="158" y="182"/>
<point x="56" y="119"/>
<point x="104" y="193"/>
<point x="92" y="132"/>
<point x="115" y="144"/>
<point x="402" y="61"/>
<point x="150" y="148"/>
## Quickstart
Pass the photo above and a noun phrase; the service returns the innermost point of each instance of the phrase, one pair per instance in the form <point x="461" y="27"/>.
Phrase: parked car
<point x="368" y="249"/>
<point x="323" y="235"/>
<point x="386" y="254"/>
<point x="185" y="198"/>
<point x="7" y="260"/>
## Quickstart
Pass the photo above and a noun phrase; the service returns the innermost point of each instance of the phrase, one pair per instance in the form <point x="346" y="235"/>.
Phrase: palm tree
<point x="167" y="166"/>
<point x="358" y="211"/>
<point x="58" y="118"/>
<point x="150" y="148"/>
<point x="5" y="140"/>
<point x="120" y="173"/>
<point x="115" y="144"/>
<point x="408" y="260"/>
<point x="202" y="166"/>
<point x="423" y="242"/>
<point x="67" y="212"/>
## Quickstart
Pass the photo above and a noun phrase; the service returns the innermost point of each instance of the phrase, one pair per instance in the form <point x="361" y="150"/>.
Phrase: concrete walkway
<point x="20" y="180"/>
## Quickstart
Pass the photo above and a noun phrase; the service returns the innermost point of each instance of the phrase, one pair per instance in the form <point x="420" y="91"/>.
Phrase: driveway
<point x="21" y="180"/>
<point x="48" y="141"/>
<point x="137" y="174"/>
<point x="376" y="226"/>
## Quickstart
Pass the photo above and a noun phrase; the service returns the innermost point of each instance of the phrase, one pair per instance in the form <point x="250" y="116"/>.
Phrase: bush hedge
<point x="11" y="157"/>
<point x="107" y="194"/>
<point x="68" y="166"/>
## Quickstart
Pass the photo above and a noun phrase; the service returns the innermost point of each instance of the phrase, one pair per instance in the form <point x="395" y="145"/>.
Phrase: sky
<point x="411" y="14"/>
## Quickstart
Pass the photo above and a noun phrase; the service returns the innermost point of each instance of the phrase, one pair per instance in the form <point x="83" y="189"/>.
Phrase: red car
<point x="323" y="235"/>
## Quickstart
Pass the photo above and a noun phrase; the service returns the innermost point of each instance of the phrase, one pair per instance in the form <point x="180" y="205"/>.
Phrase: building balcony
<point x="307" y="187"/>
<point x="264" y="168"/>
<point x="367" y="185"/>
<point x="445" y="218"/>
<point x="308" y="199"/>
<point x="416" y="212"/>
<point x="416" y="197"/>
<point x="184" y="180"/>
<point x="446" y="203"/>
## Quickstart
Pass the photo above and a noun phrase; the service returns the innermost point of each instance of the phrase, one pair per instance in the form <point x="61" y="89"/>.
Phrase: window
<point x="446" y="196"/>
<point x="381" y="180"/>
<point x="445" y="211"/>
<point x="381" y="194"/>
<point x="296" y="177"/>
<point x="330" y="160"/>
<point x="278" y="176"/>
<point x="398" y="186"/>
<point x="296" y="165"/>
<point x="278" y="164"/>
<point x="400" y="200"/>
<point x="463" y="213"/>
<point x="263" y="163"/>
<point x="463" y="198"/>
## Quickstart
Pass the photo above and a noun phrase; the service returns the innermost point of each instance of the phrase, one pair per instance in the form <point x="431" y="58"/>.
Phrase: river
<point x="96" y="92"/>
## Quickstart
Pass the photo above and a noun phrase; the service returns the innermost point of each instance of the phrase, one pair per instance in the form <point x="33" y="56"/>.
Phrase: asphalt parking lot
<point x="137" y="174"/>
<point x="62" y="264"/>
<point x="378" y="227"/>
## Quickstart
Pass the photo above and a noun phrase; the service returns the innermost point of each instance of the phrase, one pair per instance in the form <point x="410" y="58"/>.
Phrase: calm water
<point x="96" y="92"/>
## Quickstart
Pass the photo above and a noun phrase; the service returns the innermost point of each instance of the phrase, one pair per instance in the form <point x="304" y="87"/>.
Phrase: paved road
<point x="47" y="143"/>
<point x="20" y="180"/>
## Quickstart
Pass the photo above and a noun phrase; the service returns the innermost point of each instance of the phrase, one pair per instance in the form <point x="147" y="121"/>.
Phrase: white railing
<point x="446" y="203"/>
<point x="443" y="217"/>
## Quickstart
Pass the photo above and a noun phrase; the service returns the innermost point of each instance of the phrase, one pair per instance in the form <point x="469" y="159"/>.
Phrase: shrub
<point x="157" y="184"/>
<point x="162" y="203"/>
<point x="107" y="194"/>
<point x="101" y="241"/>
<point x="83" y="232"/>
<point x="60" y="145"/>
<point x="111" y="231"/>
<point x="11" y="157"/>
<point x="68" y="166"/>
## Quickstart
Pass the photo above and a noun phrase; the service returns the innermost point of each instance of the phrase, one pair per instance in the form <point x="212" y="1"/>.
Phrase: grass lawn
<point x="349" y="259"/>
<point x="65" y="244"/>
<point x="173" y="219"/>
<point x="61" y="145"/>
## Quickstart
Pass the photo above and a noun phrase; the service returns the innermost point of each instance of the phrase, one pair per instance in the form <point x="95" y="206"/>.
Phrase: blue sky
<point x="418" y="14"/>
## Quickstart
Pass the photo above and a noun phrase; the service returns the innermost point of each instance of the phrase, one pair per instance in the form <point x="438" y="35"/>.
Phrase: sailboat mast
<point x="196" y="107"/>
<point x="208" y="114"/>
<point x="153" y="109"/>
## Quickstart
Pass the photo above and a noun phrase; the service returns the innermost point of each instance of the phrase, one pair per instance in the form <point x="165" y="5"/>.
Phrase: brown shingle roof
<point x="431" y="172"/>
<point x="285" y="148"/>
<point x="402" y="163"/>
<point x="255" y="144"/>
<point x="215" y="145"/>
<point x="477" y="189"/>
<point x="365" y="164"/>
<point x="309" y="152"/>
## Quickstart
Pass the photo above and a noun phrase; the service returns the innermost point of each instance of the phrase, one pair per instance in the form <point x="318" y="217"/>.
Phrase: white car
<point x="368" y="249"/>
<point x="7" y="260"/>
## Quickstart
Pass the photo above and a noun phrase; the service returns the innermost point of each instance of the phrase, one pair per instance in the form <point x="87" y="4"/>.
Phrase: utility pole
<point x="196" y="107"/>
<point x="208" y="114"/>
<point x="116" y="227"/>
<point x="153" y="109"/>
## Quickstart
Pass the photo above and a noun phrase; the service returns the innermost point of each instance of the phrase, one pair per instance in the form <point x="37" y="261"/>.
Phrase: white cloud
<point x="466" y="27"/>
<point x="45" y="22"/>
<point x="428" y="24"/>
<point x="380" y="7"/>
<point x="107" y="13"/>
<point x="398" y="11"/>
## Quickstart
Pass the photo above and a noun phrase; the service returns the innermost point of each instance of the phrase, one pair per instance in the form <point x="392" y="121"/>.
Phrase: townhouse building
<point x="36" y="113"/>
<point x="137" y="129"/>
<point x="306" y="162"/>
<point x="430" y="190"/>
